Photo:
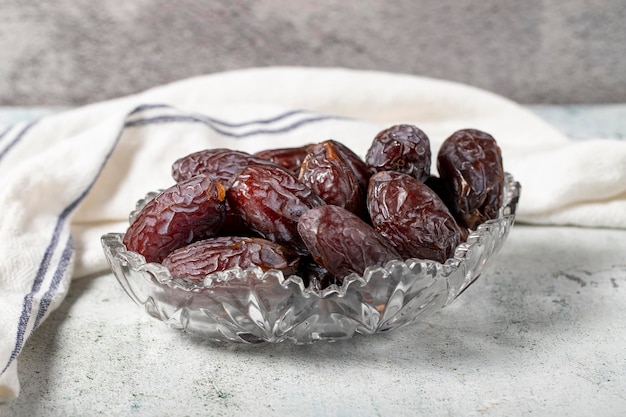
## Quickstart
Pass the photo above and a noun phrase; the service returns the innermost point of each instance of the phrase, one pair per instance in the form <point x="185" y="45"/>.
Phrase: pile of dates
<point x="320" y="211"/>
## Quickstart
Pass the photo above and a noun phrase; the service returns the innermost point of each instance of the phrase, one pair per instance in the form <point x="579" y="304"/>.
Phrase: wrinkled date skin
<point x="289" y="158"/>
<point x="343" y="243"/>
<point x="326" y="171"/>
<point x="319" y="210"/>
<point x="199" y="259"/>
<point x="470" y="167"/>
<point x="270" y="201"/>
<point x="358" y="166"/>
<point x="188" y="211"/>
<point x="401" y="148"/>
<point x="412" y="217"/>
<point x="221" y="164"/>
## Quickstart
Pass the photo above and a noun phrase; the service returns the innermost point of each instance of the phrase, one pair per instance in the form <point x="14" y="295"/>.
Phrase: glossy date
<point x="472" y="176"/>
<point x="412" y="217"/>
<point x="326" y="171"/>
<point x="188" y="211"/>
<point x="270" y="201"/>
<point x="343" y="243"/>
<point x="288" y="158"/>
<point x="319" y="210"/>
<point x="357" y="165"/>
<point x="221" y="164"/>
<point x="199" y="259"/>
<point x="401" y="148"/>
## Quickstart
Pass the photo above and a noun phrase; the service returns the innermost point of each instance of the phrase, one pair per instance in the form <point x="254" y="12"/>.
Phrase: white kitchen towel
<point x="69" y="178"/>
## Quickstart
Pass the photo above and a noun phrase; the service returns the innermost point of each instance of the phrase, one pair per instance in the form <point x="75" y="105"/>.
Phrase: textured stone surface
<point x="71" y="52"/>
<point x="540" y="333"/>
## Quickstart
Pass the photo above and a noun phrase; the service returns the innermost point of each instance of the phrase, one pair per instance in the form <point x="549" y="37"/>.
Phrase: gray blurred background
<point x="72" y="52"/>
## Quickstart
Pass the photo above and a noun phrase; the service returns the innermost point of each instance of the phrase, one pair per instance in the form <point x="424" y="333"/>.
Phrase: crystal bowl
<point x="251" y="306"/>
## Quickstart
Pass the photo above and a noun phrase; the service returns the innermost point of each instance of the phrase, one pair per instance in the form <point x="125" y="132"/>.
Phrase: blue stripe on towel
<point x="4" y="132"/>
<point x="28" y="298"/>
<point x="61" y="267"/>
<point x="15" y="140"/>
<point x="254" y="122"/>
<point x="143" y="107"/>
<point x="46" y="299"/>
<point x="59" y="273"/>
<point x="219" y="121"/>
<point x="45" y="264"/>
<point x="209" y="123"/>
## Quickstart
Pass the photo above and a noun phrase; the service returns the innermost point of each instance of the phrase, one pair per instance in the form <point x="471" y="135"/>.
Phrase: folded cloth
<point x="67" y="179"/>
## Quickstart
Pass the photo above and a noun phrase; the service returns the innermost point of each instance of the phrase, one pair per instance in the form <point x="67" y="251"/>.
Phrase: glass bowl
<point x="251" y="306"/>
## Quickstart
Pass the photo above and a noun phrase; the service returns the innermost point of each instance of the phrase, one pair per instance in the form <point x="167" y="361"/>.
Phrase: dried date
<point x="342" y="242"/>
<point x="402" y="148"/>
<point x="306" y="209"/>
<point x="470" y="167"/>
<point x="188" y="211"/>
<point x="199" y="259"/>
<point x="412" y="217"/>
<point x="270" y="201"/>
<point x="289" y="158"/>
<point x="326" y="171"/>
<point x="221" y="164"/>
<point x="358" y="166"/>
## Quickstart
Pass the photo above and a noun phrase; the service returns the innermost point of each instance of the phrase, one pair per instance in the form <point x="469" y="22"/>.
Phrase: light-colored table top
<point x="542" y="332"/>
